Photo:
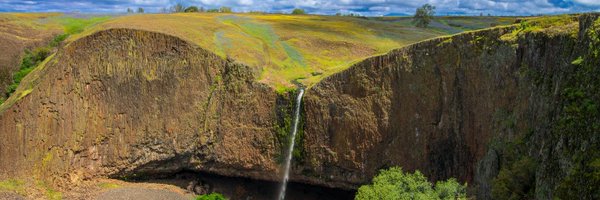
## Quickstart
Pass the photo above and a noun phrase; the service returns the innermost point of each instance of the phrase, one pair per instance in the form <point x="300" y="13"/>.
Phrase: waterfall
<point x="288" y="159"/>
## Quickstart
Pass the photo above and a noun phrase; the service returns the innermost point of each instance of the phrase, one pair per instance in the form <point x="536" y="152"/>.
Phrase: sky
<point x="327" y="7"/>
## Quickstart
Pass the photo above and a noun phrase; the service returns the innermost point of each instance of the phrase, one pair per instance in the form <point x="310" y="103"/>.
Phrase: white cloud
<point x="246" y="2"/>
<point x="588" y="2"/>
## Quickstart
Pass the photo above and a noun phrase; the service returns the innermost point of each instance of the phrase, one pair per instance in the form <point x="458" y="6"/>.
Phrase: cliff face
<point x="429" y="106"/>
<point x="436" y="106"/>
<point x="123" y="102"/>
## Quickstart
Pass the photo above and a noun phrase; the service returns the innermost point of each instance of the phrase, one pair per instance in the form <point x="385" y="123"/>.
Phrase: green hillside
<point x="282" y="49"/>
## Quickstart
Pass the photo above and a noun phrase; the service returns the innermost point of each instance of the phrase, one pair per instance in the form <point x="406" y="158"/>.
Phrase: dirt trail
<point x="132" y="193"/>
<point x="10" y="196"/>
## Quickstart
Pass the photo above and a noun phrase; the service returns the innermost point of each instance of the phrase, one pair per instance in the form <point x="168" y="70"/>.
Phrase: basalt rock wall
<point x="126" y="102"/>
<point x="437" y="106"/>
<point x="429" y="106"/>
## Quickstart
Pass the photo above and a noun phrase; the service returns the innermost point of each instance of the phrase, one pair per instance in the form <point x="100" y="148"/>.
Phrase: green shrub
<point x="58" y="39"/>
<point x="211" y="196"/>
<point x="298" y="11"/>
<point x="582" y="183"/>
<point x="41" y="53"/>
<point x="395" y="184"/>
<point x="191" y="9"/>
<point x="450" y="189"/>
<point x="516" y="181"/>
<point x="30" y="60"/>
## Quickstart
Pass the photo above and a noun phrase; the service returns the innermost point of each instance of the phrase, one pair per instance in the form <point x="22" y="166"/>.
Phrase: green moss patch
<point x="109" y="185"/>
<point x="285" y="112"/>
<point x="549" y="25"/>
<point x="13" y="185"/>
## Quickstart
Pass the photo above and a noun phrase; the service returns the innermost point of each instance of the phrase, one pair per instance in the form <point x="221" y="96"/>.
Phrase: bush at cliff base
<point x="395" y="184"/>
<point x="211" y="196"/>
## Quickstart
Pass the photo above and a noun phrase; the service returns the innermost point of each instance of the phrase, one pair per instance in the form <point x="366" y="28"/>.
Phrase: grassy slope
<point x="34" y="26"/>
<point x="282" y="49"/>
<point x="287" y="48"/>
<point x="17" y="32"/>
<point x="20" y="23"/>
<point x="20" y="31"/>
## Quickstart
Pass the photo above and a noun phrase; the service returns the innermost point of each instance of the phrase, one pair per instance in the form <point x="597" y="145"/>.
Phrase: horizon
<point x="318" y="7"/>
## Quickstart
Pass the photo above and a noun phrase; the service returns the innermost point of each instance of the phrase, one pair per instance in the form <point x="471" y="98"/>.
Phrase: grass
<point x="28" y="21"/>
<point x="18" y="186"/>
<point x="27" y="25"/>
<point x="28" y="63"/>
<point x="288" y="48"/>
<point x="109" y="185"/>
<point x="13" y="185"/>
<point x="74" y="25"/>
<point x="549" y="25"/>
<point x="49" y="192"/>
<point x="42" y="21"/>
<point x="27" y="85"/>
<point x="53" y="194"/>
<point x="456" y="24"/>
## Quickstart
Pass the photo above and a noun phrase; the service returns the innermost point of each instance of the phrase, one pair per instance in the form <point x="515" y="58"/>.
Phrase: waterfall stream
<point x="288" y="159"/>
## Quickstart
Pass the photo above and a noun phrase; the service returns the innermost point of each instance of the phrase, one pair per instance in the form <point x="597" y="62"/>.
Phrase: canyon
<point x="130" y="103"/>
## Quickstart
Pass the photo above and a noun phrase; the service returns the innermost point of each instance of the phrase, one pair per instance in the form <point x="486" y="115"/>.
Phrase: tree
<point x="164" y="10"/>
<point x="298" y="11"/>
<point x="424" y="15"/>
<point x="140" y="10"/>
<point x="395" y="184"/>
<point x="191" y="9"/>
<point x="178" y="8"/>
<point x="129" y="10"/>
<point x="225" y="9"/>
